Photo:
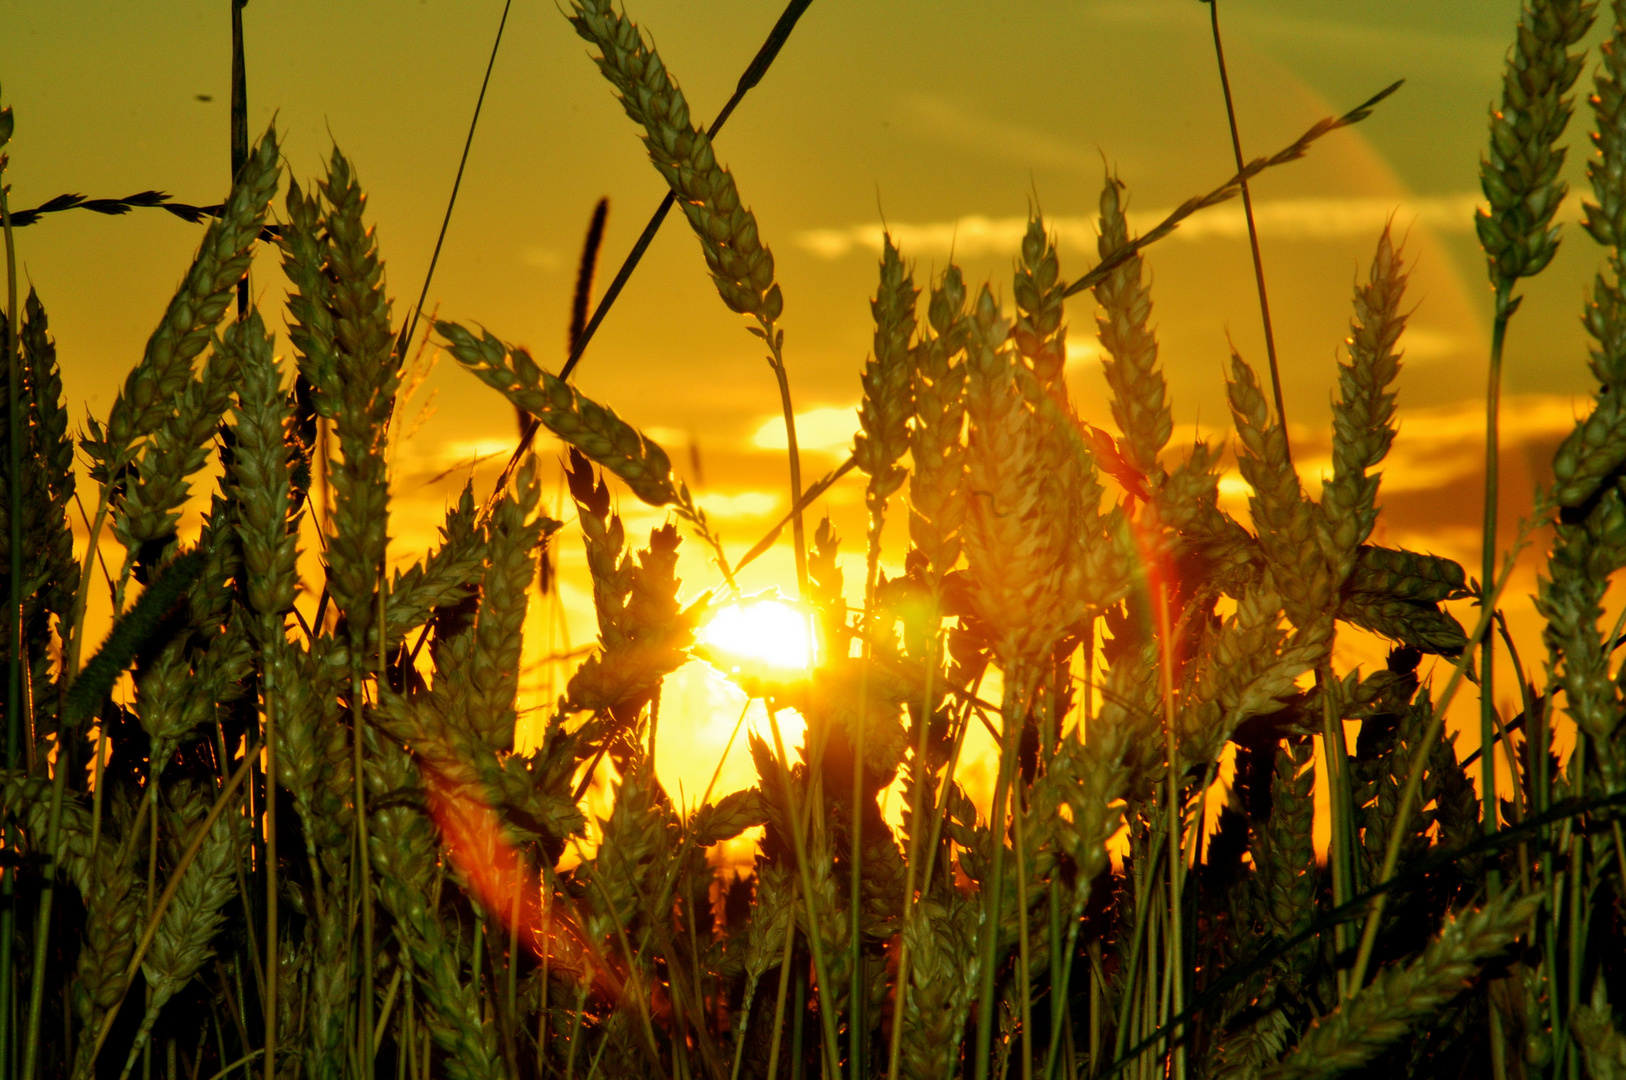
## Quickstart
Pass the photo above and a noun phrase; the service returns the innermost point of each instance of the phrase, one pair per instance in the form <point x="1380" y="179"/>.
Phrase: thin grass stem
<point x="922" y="781"/>
<point x="1253" y="230"/>
<point x="827" y="1018"/>
<point x="1175" y="973"/>
<point x="14" y="623"/>
<point x="1012" y="713"/>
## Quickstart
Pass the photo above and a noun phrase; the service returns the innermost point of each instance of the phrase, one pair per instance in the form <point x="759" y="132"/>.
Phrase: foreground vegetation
<point x="299" y="839"/>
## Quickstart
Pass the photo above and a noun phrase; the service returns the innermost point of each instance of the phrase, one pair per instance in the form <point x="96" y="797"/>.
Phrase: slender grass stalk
<point x="778" y="1005"/>
<point x="638" y="993"/>
<point x="1341" y="846"/>
<point x="1253" y="230"/>
<point x="390" y="992"/>
<point x="576" y="1026"/>
<point x="511" y="990"/>
<point x="364" y="872"/>
<point x="939" y="807"/>
<point x="451" y="201"/>
<point x="273" y="963"/>
<point x="798" y="531"/>
<point x="239" y="130"/>
<point x="47" y="901"/>
<point x="1175" y="970"/>
<point x="1012" y="711"/>
<point x="14" y="608"/>
<point x="1023" y="962"/>
<point x="922" y="780"/>
<point x="827" y="1018"/>
<point x="1505" y="306"/>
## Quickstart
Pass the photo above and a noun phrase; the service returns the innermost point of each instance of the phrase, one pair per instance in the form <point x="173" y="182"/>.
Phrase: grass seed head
<point x="266" y="524"/>
<point x="888" y="381"/>
<point x="1384" y="1011"/>
<point x="1520" y="173"/>
<point x="1363" y="414"/>
<point x="1140" y="402"/>
<point x="740" y="264"/>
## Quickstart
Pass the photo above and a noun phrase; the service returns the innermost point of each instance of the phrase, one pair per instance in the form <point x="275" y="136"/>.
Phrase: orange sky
<point x="946" y="116"/>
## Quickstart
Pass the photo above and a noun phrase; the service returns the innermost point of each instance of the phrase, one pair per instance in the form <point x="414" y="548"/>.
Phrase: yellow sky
<point x="945" y="117"/>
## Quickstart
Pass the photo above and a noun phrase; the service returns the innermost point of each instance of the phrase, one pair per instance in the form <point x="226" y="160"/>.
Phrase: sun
<point x="759" y="633"/>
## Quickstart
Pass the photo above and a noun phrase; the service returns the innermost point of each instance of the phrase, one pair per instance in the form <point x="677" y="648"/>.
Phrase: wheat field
<point x="273" y="818"/>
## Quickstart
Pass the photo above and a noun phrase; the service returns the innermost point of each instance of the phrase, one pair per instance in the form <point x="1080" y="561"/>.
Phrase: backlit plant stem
<point x="1012" y="710"/>
<point x="1505" y="307"/>
<point x="14" y="616"/>
<point x="1175" y="971"/>
<point x="827" y="1017"/>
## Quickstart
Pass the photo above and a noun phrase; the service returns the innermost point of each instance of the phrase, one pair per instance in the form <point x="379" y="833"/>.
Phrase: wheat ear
<point x="1399" y="997"/>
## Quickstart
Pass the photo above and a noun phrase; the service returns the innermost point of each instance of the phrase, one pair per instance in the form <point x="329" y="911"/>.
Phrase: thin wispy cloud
<point x="1309" y="218"/>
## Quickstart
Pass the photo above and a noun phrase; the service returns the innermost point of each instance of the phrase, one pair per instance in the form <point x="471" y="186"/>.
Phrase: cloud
<point x="1309" y="218"/>
<point x="541" y="258"/>
<point x="961" y="127"/>
<point x="740" y="504"/>
<point x="829" y="429"/>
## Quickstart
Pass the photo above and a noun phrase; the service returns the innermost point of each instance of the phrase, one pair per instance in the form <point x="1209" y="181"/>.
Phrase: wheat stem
<point x="1175" y="971"/>
<point x="273" y="965"/>
<point x="1487" y="662"/>
<point x="1023" y="963"/>
<point x="779" y="1000"/>
<point x="827" y="1018"/>
<point x="1012" y="711"/>
<point x="922" y="780"/>
<point x="14" y="614"/>
<point x="364" y="870"/>
<point x="1340" y="849"/>
<point x="798" y="532"/>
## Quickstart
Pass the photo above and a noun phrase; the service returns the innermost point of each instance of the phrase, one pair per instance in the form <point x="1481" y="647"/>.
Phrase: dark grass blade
<point x="239" y="121"/>
<point x="585" y="270"/>
<point x="807" y="499"/>
<point x="132" y="631"/>
<point x="1253" y="231"/>
<point x="1356" y="909"/>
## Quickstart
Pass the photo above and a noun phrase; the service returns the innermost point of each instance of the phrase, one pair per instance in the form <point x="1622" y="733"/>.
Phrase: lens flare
<point x="767" y="633"/>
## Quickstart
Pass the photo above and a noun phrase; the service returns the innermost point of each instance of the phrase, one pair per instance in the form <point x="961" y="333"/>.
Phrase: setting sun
<point x="771" y="633"/>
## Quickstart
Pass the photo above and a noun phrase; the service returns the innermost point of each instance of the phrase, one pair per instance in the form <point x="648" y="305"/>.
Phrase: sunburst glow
<point x="770" y="633"/>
